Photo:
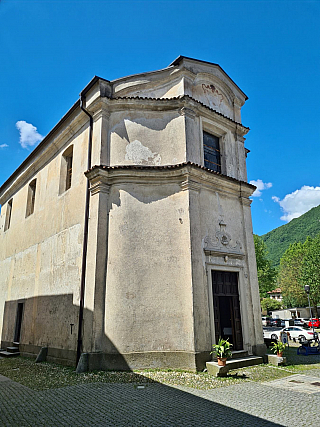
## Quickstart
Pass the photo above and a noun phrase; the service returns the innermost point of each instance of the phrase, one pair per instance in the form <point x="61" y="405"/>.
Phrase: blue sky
<point x="50" y="50"/>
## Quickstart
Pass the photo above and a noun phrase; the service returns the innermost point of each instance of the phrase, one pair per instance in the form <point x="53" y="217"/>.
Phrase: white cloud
<point x="28" y="134"/>
<point x="4" y="145"/>
<point x="260" y="187"/>
<point x="299" y="202"/>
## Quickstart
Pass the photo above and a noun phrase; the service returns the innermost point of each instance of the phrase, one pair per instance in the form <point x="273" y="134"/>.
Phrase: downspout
<point x="85" y="235"/>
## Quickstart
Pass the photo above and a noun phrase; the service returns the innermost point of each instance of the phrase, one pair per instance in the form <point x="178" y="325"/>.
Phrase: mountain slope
<point x="297" y="230"/>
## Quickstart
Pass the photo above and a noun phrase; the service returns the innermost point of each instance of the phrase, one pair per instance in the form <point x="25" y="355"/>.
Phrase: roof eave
<point x="181" y="57"/>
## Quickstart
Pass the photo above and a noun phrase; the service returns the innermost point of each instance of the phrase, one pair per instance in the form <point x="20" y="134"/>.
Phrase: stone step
<point x="8" y="354"/>
<point x="214" y="369"/>
<point x="242" y="362"/>
<point x="235" y="355"/>
<point x="239" y="354"/>
<point x="13" y="349"/>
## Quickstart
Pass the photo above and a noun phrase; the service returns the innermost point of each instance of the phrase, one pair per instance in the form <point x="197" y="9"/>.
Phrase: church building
<point x="126" y="234"/>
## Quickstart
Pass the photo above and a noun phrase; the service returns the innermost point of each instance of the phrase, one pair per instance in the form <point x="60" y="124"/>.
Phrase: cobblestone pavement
<point x="101" y="404"/>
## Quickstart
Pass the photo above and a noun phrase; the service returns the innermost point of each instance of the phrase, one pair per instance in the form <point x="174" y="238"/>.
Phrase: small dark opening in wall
<point x="66" y="170"/>
<point x="8" y="215"/>
<point x="31" y="197"/>
<point x="17" y="331"/>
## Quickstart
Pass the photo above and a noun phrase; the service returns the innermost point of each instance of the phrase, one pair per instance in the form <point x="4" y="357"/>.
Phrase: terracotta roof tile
<point x="176" y="166"/>
<point x="181" y="97"/>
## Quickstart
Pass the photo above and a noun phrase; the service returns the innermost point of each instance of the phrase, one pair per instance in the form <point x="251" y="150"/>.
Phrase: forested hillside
<point x="297" y="230"/>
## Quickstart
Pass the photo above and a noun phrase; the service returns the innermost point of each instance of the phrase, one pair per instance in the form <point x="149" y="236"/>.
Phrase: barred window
<point x="211" y="149"/>
<point x="69" y="171"/>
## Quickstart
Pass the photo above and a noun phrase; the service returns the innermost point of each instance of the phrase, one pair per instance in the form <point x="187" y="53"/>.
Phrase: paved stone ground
<point x="101" y="404"/>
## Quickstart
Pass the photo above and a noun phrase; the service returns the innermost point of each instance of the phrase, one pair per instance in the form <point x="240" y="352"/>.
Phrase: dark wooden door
<point x="227" y="316"/>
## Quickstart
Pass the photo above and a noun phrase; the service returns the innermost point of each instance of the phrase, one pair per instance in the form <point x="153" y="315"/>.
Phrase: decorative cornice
<point x="41" y="155"/>
<point x="167" y="104"/>
<point x="239" y="136"/>
<point x="188" y="176"/>
<point x="188" y="112"/>
<point x="75" y="120"/>
<point x="245" y="201"/>
<point x="102" y="111"/>
<point x="99" y="186"/>
<point x="237" y="102"/>
<point x="190" y="184"/>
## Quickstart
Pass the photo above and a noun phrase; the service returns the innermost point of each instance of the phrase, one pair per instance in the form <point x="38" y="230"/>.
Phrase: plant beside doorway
<point x="222" y="350"/>
<point x="278" y="347"/>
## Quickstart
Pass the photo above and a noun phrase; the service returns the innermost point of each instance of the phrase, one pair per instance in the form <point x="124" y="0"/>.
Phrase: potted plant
<point x="278" y="347"/>
<point x="222" y="350"/>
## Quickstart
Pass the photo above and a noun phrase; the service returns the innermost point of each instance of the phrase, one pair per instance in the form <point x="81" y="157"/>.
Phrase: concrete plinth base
<point x="83" y="364"/>
<point x="42" y="356"/>
<point x="275" y="360"/>
<point x="216" y="370"/>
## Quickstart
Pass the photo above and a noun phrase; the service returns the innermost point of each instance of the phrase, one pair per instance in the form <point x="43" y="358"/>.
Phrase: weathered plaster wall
<point x="217" y="207"/>
<point x="148" y="291"/>
<point x="40" y="255"/>
<point x="162" y="88"/>
<point x="146" y="138"/>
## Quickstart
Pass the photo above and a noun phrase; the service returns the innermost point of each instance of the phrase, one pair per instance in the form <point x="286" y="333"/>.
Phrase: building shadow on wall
<point x="52" y="321"/>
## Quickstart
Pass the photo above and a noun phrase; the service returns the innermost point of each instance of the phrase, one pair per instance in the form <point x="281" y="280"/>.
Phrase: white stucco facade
<point x="160" y="225"/>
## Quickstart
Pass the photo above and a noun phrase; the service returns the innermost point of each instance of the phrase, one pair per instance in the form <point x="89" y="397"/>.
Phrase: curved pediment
<point x="213" y="93"/>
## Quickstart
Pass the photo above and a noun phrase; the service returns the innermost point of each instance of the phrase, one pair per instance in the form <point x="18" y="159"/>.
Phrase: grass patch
<point x="42" y="376"/>
<point x="46" y="375"/>
<point x="299" y="363"/>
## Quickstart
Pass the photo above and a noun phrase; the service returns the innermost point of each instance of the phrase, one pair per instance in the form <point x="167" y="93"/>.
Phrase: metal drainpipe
<point x="85" y="235"/>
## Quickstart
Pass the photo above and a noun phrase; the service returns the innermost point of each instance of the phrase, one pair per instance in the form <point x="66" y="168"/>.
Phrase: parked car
<point x="284" y="324"/>
<point x="275" y="322"/>
<point x="271" y="333"/>
<point x="266" y="321"/>
<point x="301" y="322"/>
<point x="299" y="332"/>
<point x="315" y="322"/>
<point x="295" y="332"/>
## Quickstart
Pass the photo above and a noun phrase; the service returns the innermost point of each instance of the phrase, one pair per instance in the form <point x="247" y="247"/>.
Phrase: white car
<point x="272" y="333"/>
<point x="300" y="332"/>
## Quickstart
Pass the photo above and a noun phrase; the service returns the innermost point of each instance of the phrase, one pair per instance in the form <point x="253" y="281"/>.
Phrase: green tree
<point x="268" y="304"/>
<point x="266" y="272"/>
<point x="290" y="275"/>
<point x="310" y="270"/>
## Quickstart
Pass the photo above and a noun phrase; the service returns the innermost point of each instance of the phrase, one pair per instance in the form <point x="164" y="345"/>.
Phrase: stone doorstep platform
<point x="220" y="371"/>
<point x="10" y="352"/>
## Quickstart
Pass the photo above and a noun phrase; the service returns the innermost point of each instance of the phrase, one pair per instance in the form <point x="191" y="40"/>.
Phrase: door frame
<point x="242" y="302"/>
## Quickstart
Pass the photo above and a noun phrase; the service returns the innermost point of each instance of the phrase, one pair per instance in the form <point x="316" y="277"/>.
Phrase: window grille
<point x="211" y="149"/>
<point x="69" y="172"/>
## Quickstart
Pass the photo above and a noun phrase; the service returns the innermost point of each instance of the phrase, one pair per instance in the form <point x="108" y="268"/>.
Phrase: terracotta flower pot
<point x="280" y="354"/>
<point x="222" y="361"/>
